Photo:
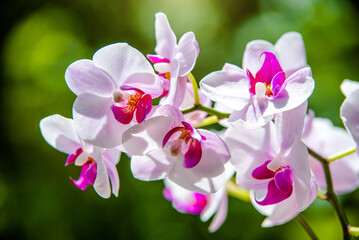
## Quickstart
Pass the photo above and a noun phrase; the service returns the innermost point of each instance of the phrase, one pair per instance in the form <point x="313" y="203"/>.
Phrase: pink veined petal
<point x="277" y="83"/>
<point x="262" y="172"/>
<point x="60" y="133"/>
<point x="120" y="61"/>
<point x="188" y="51"/>
<point x="274" y="195"/>
<point x="283" y="180"/>
<point x="165" y="38"/>
<point x="123" y="115"/>
<point x="252" y="54"/>
<point x="157" y="59"/>
<point x="290" y="51"/>
<point x="170" y="133"/>
<point x="72" y="157"/>
<point x="193" y="154"/>
<point x="269" y="68"/>
<point x="84" y="77"/>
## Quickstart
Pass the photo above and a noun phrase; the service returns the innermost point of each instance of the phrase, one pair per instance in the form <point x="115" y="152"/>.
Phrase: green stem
<point x="354" y="231"/>
<point x="236" y="191"/>
<point x="341" y="155"/>
<point x="207" y="121"/>
<point x="208" y="110"/>
<point x="331" y="197"/>
<point x="306" y="227"/>
<point x="195" y="88"/>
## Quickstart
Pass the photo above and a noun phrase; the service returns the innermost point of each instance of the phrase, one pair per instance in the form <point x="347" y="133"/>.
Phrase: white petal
<point x="95" y="121"/>
<point x="252" y="53"/>
<point x="166" y="39"/>
<point x="120" y="61"/>
<point x="188" y="51"/>
<point x="299" y="87"/>
<point x="147" y="136"/>
<point x="112" y="172"/>
<point x="230" y="88"/>
<point x="290" y="51"/>
<point x="102" y="183"/>
<point x="84" y="77"/>
<point x="60" y="133"/>
<point x="349" y="113"/>
<point x="153" y="166"/>
<point x="349" y="87"/>
<point x="221" y="214"/>
<point x="147" y="82"/>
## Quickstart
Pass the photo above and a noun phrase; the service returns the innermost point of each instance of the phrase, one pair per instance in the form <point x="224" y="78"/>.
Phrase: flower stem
<point x="341" y="155"/>
<point x="208" y="110"/>
<point x="236" y="191"/>
<point x="207" y="121"/>
<point x="354" y="231"/>
<point x="195" y="88"/>
<point x="331" y="197"/>
<point x="306" y="227"/>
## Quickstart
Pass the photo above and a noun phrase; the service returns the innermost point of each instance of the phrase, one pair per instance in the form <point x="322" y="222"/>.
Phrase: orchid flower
<point x="114" y="91"/>
<point x="349" y="110"/>
<point x="274" y="79"/>
<point x="206" y="205"/>
<point x="173" y="62"/>
<point x="320" y="135"/>
<point x="97" y="164"/>
<point x="273" y="163"/>
<point x="165" y="146"/>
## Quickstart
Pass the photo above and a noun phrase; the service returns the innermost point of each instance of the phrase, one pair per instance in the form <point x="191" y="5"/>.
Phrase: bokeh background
<point x="40" y="38"/>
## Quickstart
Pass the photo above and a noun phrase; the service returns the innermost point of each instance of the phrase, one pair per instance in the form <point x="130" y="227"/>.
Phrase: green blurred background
<point x="39" y="39"/>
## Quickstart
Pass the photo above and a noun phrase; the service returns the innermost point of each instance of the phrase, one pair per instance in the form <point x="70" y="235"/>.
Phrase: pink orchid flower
<point x="114" y="91"/>
<point x="274" y="79"/>
<point x="173" y="62"/>
<point x="273" y="163"/>
<point x="165" y="146"/>
<point x="320" y="135"/>
<point x="349" y="110"/>
<point x="97" y="164"/>
<point x="206" y="205"/>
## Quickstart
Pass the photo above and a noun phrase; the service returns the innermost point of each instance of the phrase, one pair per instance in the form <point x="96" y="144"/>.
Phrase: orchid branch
<point x="208" y="110"/>
<point x="354" y="231"/>
<point x="195" y="88"/>
<point x="236" y="191"/>
<point x="341" y="155"/>
<point x="306" y="227"/>
<point x="331" y="197"/>
<point x="207" y="121"/>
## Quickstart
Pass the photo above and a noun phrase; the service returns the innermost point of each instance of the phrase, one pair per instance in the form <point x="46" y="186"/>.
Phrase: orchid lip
<point x="189" y="136"/>
<point x="280" y="185"/>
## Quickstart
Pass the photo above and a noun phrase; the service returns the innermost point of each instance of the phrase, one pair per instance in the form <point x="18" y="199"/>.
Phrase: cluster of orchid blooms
<point x="262" y="107"/>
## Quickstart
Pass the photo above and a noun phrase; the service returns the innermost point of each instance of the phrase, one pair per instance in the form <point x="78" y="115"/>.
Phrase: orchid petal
<point x="188" y="51"/>
<point x="123" y="115"/>
<point x="274" y="195"/>
<point x="165" y="38"/>
<point x="83" y="76"/>
<point x="252" y="53"/>
<point x="148" y="82"/>
<point x="60" y="133"/>
<point x="221" y="214"/>
<point x="290" y="51"/>
<point x="120" y="61"/>
<point x="147" y="136"/>
<point x="283" y="180"/>
<point x="348" y="87"/>
<point x="112" y="172"/>
<point x="95" y="122"/>
<point x="102" y="183"/>
<point x="230" y="88"/>
<point x="277" y="83"/>
<point x="349" y="113"/>
<point x="157" y="59"/>
<point x="262" y="172"/>
<point x="153" y="166"/>
<point x="269" y="68"/>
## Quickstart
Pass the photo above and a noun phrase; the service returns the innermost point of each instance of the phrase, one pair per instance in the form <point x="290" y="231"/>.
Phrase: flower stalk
<point x="306" y="227"/>
<point x="208" y="110"/>
<point x="195" y="88"/>
<point x="340" y="155"/>
<point x="331" y="197"/>
<point x="236" y="191"/>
